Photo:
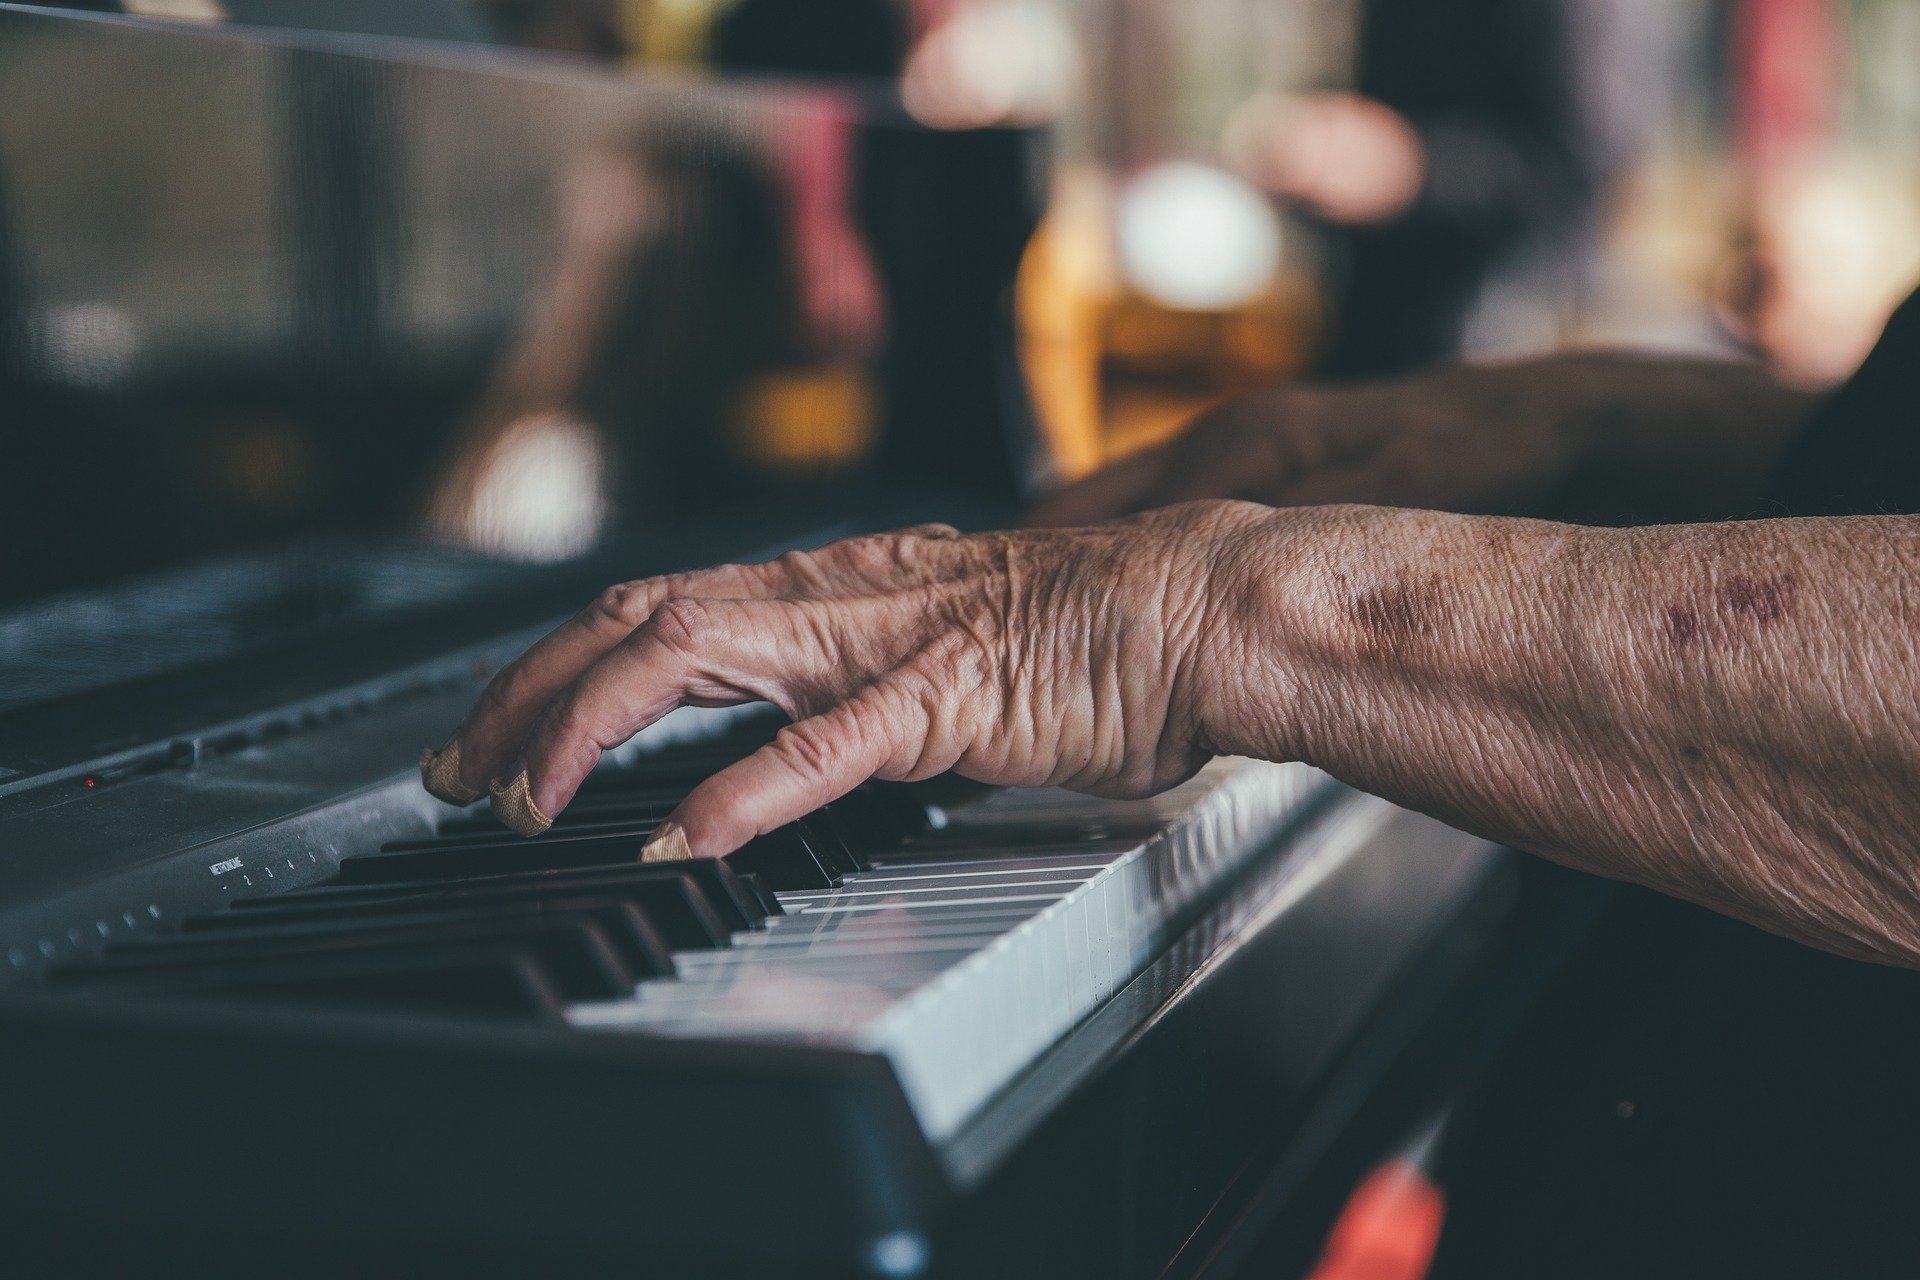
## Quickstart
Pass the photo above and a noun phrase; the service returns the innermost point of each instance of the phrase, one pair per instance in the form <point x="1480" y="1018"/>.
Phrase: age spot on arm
<point x="1764" y="600"/>
<point x="1396" y="613"/>
<point x="1681" y="623"/>
<point x="1759" y="602"/>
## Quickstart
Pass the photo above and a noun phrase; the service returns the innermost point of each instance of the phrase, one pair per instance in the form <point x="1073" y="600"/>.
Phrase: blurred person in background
<point x="1478" y="138"/>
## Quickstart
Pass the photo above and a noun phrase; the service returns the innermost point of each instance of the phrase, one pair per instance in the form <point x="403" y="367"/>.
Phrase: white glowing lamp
<point x="1194" y="237"/>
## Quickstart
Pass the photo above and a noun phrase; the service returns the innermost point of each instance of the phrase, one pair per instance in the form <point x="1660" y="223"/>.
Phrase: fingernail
<point x="669" y="844"/>
<point x="440" y="775"/>
<point x="513" y="805"/>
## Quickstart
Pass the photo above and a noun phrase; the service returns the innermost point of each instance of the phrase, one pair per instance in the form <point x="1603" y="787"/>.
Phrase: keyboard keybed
<point x="956" y="940"/>
<point x="962" y="954"/>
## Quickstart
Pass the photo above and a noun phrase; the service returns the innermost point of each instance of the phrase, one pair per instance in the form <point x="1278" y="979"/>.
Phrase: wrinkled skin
<point x="1073" y="658"/>
<point x="1726" y="712"/>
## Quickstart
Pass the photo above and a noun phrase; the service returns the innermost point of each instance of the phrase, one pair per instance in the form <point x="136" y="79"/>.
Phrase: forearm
<point x="1651" y="437"/>
<point x="1727" y="713"/>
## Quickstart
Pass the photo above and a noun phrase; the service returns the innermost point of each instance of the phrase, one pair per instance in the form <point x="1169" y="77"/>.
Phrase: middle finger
<point x="798" y="655"/>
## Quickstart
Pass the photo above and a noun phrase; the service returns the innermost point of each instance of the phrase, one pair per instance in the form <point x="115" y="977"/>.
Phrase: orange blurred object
<point x="1111" y="370"/>
<point x="813" y="419"/>
<point x="1389" y="1229"/>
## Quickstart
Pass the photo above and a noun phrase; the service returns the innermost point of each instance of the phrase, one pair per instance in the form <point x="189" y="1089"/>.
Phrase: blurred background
<point x="1257" y="189"/>
<point x="1250" y="189"/>
<point x="1207" y="195"/>
<point x="339" y="336"/>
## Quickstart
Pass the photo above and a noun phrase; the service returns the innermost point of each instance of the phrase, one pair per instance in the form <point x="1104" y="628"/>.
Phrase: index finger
<point x="489" y="738"/>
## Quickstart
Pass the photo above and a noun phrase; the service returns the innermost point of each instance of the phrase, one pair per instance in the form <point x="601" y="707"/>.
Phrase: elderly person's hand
<point x="1086" y="658"/>
<point x="1591" y="436"/>
<point x="1725" y="712"/>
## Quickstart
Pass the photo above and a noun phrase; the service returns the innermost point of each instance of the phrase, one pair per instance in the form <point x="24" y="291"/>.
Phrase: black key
<point x="823" y="833"/>
<point x="582" y="812"/>
<point x="672" y="905"/>
<point x="718" y="887"/>
<point x="792" y="857"/>
<point x="830" y="844"/>
<point x="909" y="806"/>
<point x="875" y="815"/>
<point x="508" y="853"/>
<point x="760" y="891"/>
<point x="786" y="859"/>
<point x="573" y="951"/>
<point x="944" y="791"/>
<point x="625" y="927"/>
<point x="508" y="986"/>
<point x="480" y="838"/>
<point x="872" y="818"/>
<point x="491" y="982"/>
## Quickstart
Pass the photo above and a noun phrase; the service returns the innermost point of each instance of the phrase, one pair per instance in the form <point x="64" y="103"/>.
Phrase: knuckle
<point x="800" y="569"/>
<point x="810" y="747"/>
<point x="905" y="554"/>
<point x="873" y="551"/>
<point x="623" y="606"/>
<point x="912" y="709"/>
<point x="683" y="624"/>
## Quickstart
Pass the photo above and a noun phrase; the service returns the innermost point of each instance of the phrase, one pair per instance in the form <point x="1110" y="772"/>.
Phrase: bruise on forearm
<point x="1726" y="713"/>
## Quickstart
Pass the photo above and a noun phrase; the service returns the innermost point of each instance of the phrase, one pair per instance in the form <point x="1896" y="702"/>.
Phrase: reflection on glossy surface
<point x="256" y="290"/>
<point x="983" y="62"/>
<point x="537" y="492"/>
<point x="687" y="268"/>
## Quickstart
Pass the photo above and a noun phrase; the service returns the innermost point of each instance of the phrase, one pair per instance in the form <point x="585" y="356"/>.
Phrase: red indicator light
<point x="1389" y="1229"/>
<point x="90" y="782"/>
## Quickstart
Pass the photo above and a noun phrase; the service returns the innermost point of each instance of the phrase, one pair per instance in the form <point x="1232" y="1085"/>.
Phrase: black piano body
<point x="261" y="292"/>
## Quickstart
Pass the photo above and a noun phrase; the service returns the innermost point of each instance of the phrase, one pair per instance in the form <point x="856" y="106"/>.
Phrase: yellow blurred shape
<point x="669" y="32"/>
<point x="186" y="10"/>
<point x="1111" y="370"/>
<point x="809" y="419"/>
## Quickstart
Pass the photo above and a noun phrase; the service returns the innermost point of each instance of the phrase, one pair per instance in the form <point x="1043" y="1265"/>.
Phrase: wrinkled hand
<point x="1457" y="440"/>
<point x="1082" y="658"/>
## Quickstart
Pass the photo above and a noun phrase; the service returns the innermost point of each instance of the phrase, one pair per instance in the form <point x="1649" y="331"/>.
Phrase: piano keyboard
<point x="962" y="955"/>
<point x="955" y="940"/>
<point x="914" y="994"/>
